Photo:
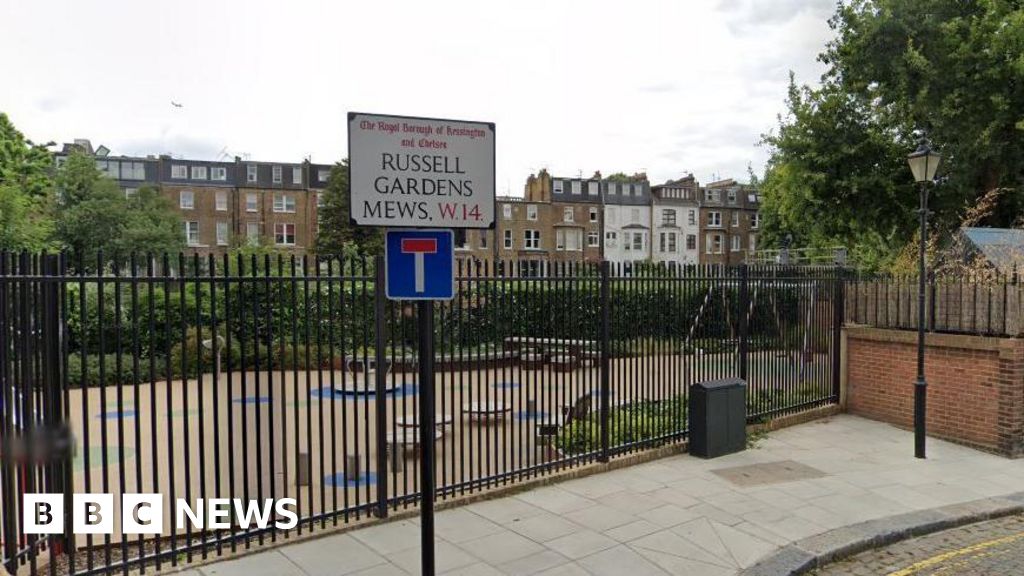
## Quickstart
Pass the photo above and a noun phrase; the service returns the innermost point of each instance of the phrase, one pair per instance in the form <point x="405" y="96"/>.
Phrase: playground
<point x="313" y="436"/>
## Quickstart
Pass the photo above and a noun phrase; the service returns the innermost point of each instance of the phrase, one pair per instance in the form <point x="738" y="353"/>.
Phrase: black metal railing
<point x="260" y="377"/>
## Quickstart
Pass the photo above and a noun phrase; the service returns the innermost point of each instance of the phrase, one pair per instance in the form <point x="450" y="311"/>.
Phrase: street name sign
<point x="408" y="172"/>
<point x="420" y="264"/>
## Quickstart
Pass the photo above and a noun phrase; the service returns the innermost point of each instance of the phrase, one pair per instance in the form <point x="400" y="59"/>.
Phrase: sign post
<point x="421" y="173"/>
<point x="426" y="432"/>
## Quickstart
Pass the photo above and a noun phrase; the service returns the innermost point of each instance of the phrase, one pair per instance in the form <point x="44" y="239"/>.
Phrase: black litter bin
<point x="718" y="417"/>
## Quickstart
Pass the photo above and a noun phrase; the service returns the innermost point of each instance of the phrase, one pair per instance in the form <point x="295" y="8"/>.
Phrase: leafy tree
<point x="94" y="218"/>
<point x="836" y="176"/>
<point x="151" y="225"/>
<point x="23" y="164"/>
<point x="23" y="226"/>
<point x="897" y="69"/>
<point x="337" y="234"/>
<point x="90" y="215"/>
<point x="25" y="191"/>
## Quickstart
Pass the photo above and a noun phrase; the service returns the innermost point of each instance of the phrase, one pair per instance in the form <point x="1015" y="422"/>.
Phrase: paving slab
<point x="830" y="488"/>
<point x="502" y="547"/>
<point x="618" y="561"/>
<point x="271" y="563"/>
<point x="332" y="556"/>
<point x="446" y="557"/>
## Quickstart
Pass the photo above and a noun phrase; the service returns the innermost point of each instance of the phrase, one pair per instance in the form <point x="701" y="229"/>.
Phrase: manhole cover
<point x="768" y="473"/>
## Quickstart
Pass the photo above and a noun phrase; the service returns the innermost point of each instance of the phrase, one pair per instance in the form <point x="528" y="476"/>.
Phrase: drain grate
<point x="768" y="473"/>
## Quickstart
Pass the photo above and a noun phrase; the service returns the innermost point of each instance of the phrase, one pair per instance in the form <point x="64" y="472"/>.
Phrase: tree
<point x="23" y="164"/>
<point x="22" y="225"/>
<point x="338" y="235"/>
<point x="25" y="191"/>
<point x="835" y="176"/>
<point x="89" y="217"/>
<point x="94" y="218"/>
<point x="897" y="70"/>
<point x="151" y="225"/>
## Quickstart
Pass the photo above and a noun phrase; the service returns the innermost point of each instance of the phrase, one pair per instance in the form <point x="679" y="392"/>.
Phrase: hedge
<point x="278" y="314"/>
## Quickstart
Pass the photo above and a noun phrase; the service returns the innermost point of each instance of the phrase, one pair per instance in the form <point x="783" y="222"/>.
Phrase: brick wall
<point x="975" y="385"/>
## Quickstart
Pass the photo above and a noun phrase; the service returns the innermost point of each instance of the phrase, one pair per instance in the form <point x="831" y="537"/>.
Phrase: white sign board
<point x="420" y="172"/>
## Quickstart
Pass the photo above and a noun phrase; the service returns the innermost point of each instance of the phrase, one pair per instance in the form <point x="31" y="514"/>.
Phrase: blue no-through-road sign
<point x="420" y="264"/>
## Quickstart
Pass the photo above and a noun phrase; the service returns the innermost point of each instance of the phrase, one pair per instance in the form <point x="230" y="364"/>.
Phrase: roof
<point x="1003" y="247"/>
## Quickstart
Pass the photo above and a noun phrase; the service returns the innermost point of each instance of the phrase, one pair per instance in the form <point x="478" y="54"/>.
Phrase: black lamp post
<point x="923" y="163"/>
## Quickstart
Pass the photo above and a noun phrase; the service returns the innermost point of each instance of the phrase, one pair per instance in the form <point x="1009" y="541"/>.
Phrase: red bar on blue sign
<point x="419" y="245"/>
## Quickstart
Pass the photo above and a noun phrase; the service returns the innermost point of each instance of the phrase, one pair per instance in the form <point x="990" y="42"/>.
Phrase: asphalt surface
<point x="992" y="548"/>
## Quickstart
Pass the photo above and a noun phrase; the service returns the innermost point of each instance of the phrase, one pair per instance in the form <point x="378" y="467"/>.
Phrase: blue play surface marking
<point x="115" y="415"/>
<point x="252" y="400"/>
<point x="328" y="393"/>
<point x="531" y="415"/>
<point x="339" y="479"/>
<point x="115" y="454"/>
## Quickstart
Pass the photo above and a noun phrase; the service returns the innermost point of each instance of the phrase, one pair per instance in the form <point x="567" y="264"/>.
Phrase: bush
<point x="639" y="422"/>
<point x="91" y="375"/>
<point x="190" y="357"/>
<point x="645" y="314"/>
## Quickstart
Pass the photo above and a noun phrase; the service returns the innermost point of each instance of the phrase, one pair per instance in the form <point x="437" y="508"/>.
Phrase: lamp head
<point x="924" y="162"/>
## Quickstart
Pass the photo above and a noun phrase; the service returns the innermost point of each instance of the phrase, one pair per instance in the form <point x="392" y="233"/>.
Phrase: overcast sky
<point x="664" y="87"/>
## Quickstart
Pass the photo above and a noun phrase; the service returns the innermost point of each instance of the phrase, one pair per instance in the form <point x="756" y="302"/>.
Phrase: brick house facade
<point x="729" y="222"/>
<point x="226" y="204"/>
<point x="558" y="219"/>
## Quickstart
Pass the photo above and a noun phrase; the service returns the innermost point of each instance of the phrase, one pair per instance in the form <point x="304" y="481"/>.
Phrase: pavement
<point x="982" y="549"/>
<point x="799" y="496"/>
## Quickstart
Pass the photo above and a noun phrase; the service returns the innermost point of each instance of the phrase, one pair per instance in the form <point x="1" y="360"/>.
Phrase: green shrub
<point x="91" y="374"/>
<point x="646" y="315"/>
<point x="626" y="425"/>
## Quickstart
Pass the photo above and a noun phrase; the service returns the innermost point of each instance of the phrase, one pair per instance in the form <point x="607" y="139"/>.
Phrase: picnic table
<point x="408" y="437"/>
<point x="485" y="409"/>
<point x="412" y="420"/>
<point x="573" y="347"/>
<point x="404" y="441"/>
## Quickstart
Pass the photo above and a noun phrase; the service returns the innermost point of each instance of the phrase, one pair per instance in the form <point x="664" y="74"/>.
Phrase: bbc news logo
<point x="144" y="513"/>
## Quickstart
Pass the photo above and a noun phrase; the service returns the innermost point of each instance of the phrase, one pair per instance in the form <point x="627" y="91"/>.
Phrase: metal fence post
<point x="53" y="393"/>
<point x="744" y="297"/>
<point x="838" y="313"/>
<point x="605" y="358"/>
<point x="380" y="389"/>
<point x="8" y="526"/>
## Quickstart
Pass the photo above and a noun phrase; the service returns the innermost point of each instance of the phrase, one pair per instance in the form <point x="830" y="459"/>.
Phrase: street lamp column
<point x="923" y="163"/>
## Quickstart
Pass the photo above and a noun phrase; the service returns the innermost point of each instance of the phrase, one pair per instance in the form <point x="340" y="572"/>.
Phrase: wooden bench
<point x="531" y="361"/>
<point x="563" y="363"/>
<point x="549" y="346"/>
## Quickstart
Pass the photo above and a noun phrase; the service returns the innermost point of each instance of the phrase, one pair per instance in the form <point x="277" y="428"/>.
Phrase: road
<point x="992" y="548"/>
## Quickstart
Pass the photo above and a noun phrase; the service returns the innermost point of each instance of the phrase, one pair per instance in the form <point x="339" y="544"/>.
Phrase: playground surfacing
<point x="292" y="434"/>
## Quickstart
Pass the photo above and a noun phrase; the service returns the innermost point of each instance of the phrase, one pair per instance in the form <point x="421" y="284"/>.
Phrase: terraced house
<point x="558" y="219"/>
<point x="675" y="220"/>
<point x="623" y="220"/>
<point x="730" y="222"/>
<point x="226" y="203"/>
